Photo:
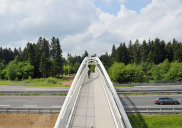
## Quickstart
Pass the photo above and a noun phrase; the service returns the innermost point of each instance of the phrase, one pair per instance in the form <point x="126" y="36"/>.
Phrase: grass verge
<point x="37" y="81"/>
<point x="156" y="121"/>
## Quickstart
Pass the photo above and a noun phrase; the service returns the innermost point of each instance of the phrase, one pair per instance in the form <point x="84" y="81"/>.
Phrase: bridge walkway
<point x="93" y="108"/>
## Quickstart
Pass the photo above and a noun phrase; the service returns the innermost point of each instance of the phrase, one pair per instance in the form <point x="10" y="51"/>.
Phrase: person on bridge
<point x="89" y="73"/>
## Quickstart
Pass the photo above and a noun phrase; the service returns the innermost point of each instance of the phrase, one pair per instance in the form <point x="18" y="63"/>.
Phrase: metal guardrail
<point x="119" y="114"/>
<point x="148" y="84"/>
<point x="152" y="110"/>
<point x="144" y="92"/>
<point x="31" y="85"/>
<point x="29" y="110"/>
<point x="50" y="110"/>
<point x="65" y="92"/>
<point x="32" y="92"/>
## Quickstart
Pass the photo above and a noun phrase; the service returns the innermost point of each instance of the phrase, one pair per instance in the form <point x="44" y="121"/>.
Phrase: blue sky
<point x="114" y="6"/>
<point x="81" y="26"/>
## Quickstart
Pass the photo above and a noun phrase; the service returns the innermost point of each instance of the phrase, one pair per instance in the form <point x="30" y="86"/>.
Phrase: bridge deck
<point x="93" y="108"/>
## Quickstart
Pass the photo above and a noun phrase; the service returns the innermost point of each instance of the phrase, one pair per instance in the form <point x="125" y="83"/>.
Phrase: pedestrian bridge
<point x="92" y="103"/>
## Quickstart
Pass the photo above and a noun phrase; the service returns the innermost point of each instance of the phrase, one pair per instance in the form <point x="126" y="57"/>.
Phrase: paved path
<point x="93" y="109"/>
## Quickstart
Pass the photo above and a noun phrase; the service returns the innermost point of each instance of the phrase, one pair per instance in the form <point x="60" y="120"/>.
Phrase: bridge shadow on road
<point x="134" y="118"/>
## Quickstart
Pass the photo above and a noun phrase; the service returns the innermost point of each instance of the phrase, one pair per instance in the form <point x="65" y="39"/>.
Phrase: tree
<point x="85" y="54"/>
<point x="76" y="67"/>
<point x="2" y="66"/>
<point x="58" y="59"/>
<point x="136" y="52"/>
<point x="169" y="51"/>
<point x="53" y="48"/>
<point x="113" y="54"/>
<point x="144" y="52"/>
<point x="43" y="65"/>
<point x="45" y="48"/>
<point x="130" y="52"/>
<point x="178" y="53"/>
<point x="15" y="52"/>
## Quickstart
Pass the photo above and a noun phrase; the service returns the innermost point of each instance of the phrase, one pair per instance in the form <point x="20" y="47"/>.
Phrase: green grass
<point x="156" y="121"/>
<point x="40" y="81"/>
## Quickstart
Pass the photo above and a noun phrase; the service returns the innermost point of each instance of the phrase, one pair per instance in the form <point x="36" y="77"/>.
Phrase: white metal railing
<point x="119" y="115"/>
<point x="68" y="107"/>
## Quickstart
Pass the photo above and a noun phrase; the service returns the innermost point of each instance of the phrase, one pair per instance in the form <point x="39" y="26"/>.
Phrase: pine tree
<point x="144" y="52"/>
<point x="130" y="52"/>
<point x="31" y="54"/>
<point x="85" y="54"/>
<point x="113" y="54"/>
<point x="45" y="48"/>
<point x="15" y="52"/>
<point x="169" y="51"/>
<point x="1" y="50"/>
<point x="119" y="53"/>
<point x="38" y="54"/>
<point x="43" y="65"/>
<point x="58" y="59"/>
<point x="178" y="53"/>
<point x="53" y="47"/>
<point x="136" y="52"/>
<point x="125" y="58"/>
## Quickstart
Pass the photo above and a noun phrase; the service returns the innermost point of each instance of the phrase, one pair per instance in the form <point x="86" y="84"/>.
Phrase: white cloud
<point x="109" y="1"/>
<point x="81" y="26"/>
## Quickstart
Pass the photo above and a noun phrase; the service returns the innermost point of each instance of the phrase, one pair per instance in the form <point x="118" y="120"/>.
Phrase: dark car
<point x="165" y="100"/>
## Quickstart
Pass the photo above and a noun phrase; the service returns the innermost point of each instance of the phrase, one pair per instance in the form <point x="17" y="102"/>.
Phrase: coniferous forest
<point x="147" y="61"/>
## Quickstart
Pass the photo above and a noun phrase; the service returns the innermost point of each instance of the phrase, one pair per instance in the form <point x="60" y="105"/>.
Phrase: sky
<point x="92" y="25"/>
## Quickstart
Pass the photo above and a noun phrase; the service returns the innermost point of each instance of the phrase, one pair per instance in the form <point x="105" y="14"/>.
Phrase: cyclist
<point x="89" y="73"/>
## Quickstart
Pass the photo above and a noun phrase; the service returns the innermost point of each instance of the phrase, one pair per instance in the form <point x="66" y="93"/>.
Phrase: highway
<point x="31" y="101"/>
<point x="57" y="101"/>
<point x="21" y="88"/>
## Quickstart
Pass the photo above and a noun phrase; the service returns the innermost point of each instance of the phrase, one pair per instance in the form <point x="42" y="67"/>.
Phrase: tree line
<point x="39" y="59"/>
<point x="153" y="51"/>
<point x="150" y="61"/>
<point x="44" y="58"/>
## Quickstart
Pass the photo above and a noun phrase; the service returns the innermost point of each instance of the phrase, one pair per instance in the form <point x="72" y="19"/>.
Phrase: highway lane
<point x="57" y="101"/>
<point x="147" y="101"/>
<point x="140" y="88"/>
<point x="22" y="88"/>
<point x="31" y="101"/>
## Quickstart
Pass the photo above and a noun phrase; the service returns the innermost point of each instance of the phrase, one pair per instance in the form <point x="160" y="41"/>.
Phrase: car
<point x="165" y="100"/>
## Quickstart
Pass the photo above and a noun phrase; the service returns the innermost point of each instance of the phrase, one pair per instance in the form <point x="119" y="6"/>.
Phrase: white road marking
<point x="4" y="105"/>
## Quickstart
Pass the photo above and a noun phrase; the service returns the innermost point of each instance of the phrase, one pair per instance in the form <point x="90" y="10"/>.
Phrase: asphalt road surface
<point x="57" y="101"/>
<point x="21" y="88"/>
<point x="31" y="101"/>
<point x="147" y="101"/>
